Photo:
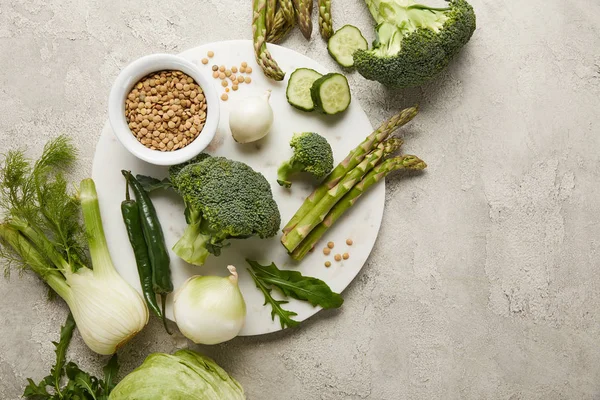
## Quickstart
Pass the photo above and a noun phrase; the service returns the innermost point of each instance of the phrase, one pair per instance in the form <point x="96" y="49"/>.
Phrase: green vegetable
<point x="331" y="94"/>
<point x="375" y="175"/>
<point x="270" y="14"/>
<point x="259" y="30"/>
<point x="133" y="225"/>
<point x="285" y="316"/>
<point x="185" y="375"/>
<point x="414" y="42"/>
<point x="315" y="216"/>
<point x="325" y="23"/>
<point x="155" y="243"/>
<point x="312" y="154"/>
<point x="285" y="19"/>
<point x="80" y="384"/>
<point x="298" y="88"/>
<point x="42" y="232"/>
<point x="303" y="13"/>
<point x="224" y="199"/>
<point x="344" y="43"/>
<point x="294" y="284"/>
<point x="352" y="160"/>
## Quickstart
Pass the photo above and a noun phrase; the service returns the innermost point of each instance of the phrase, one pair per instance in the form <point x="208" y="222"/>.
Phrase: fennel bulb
<point x="210" y="309"/>
<point x="42" y="232"/>
<point x="185" y="375"/>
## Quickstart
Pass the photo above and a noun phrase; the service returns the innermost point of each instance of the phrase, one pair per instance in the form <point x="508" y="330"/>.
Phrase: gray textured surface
<point x="485" y="281"/>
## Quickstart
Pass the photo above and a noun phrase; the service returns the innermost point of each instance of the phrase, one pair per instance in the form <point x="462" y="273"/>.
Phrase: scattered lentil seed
<point x="326" y="251"/>
<point x="222" y="68"/>
<point x="337" y="257"/>
<point x="242" y="69"/>
<point x="215" y="67"/>
<point x="234" y="69"/>
<point x="215" y="74"/>
<point x="227" y="90"/>
<point x="205" y="61"/>
<point x="210" y="53"/>
<point x="235" y="87"/>
<point x="222" y="75"/>
<point x="328" y="264"/>
<point x="349" y="242"/>
<point x="224" y="97"/>
<point x="248" y="70"/>
<point x="244" y="64"/>
<point x="247" y="79"/>
<point x="330" y="245"/>
<point x="346" y="256"/>
<point x="224" y="83"/>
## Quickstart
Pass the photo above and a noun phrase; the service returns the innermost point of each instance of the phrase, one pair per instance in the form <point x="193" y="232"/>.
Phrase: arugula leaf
<point x="36" y="392"/>
<point x="151" y="184"/>
<point x="81" y="385"/>
<point x="294" y="284"/>
<point x="66" y="333"/>
<point x="111" y="369"/>
<point x="284" y="315"/>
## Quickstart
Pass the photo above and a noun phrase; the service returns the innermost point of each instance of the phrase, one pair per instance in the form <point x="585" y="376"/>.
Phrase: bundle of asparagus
<point x="364" y="166"/>
<point x="273" y="19"/>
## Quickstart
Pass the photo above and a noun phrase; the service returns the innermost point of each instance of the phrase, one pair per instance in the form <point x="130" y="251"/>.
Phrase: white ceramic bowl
<point x="129" y="77"/>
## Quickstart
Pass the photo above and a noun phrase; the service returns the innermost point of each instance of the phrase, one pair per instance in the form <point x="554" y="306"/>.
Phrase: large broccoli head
<point x="312" y="154"/>
<point x="414" y="42"/>
<point x="224" y="199"/>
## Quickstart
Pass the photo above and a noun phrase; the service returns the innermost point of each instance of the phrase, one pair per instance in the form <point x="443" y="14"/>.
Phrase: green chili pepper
<point x="133" y="225"/>
<point x="155" y="241"/>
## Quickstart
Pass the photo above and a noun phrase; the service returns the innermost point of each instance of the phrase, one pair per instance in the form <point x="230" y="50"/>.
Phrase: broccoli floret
<point x="312" y="154"/>
<point x="414" y="42"/>
<point x="224" y="199"/>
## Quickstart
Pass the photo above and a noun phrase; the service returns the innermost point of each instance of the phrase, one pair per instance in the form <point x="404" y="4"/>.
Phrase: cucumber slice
<point x="331" y="93"/>
<point x="344" y="43"/>
<point x="298" y="88"/>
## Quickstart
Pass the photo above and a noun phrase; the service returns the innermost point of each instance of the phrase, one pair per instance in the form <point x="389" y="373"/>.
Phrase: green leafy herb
<point x="80" y="384"/>
<point x="151" y="184"/>
<point x="291" y="284"/>
<point x="294" y="284"/>
<point x="285" y="316"/>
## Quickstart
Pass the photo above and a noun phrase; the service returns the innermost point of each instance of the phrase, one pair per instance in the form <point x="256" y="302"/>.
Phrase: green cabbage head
<point x="183" y="375"/>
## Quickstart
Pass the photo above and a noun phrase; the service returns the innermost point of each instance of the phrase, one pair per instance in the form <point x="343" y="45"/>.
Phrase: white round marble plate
<point x="344" y="132"/>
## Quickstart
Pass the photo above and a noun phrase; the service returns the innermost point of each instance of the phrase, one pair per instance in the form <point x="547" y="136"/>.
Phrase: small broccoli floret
<point x="414" y="42"/>
<point x="312" y="154"/>
<point x="224" y="199"/>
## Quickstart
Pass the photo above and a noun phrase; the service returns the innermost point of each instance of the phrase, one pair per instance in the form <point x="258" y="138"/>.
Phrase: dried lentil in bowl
<point x="166" y="110"/>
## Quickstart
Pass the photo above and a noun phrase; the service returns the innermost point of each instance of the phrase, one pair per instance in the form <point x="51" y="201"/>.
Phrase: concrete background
<point x="485" y="280"/>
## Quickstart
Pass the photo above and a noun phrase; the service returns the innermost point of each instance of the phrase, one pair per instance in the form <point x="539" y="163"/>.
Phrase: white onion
<point x="210" y="309"/>
<point x="250" y="119"/>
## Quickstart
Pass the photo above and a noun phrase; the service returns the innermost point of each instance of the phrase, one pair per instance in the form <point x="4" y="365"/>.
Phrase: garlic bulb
<point x="250" y="119"/>
<point x="210" y="309"/>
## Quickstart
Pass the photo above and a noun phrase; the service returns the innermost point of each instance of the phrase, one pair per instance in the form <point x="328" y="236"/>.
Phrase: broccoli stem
<point x="315" y="216"/>
<point x="375" y="175"/>
<point x="191" y="247"/>
<point x="263" y="56"/>
<point x="424" y="7"/>
<point x="325" y="22"/>
<point x="286" y="170"/>
<point x="351" y="161"/>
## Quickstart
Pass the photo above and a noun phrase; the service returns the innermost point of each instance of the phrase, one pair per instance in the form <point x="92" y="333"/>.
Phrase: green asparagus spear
<point x="351" y="161"/>
<point x="263" y="57"/>
<point x="375" y="175"/>
<point x="325" y="23"/>
<point x="315" y="216"/>
<point x="303" y="13"/>
<point x="270" y="14"/>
